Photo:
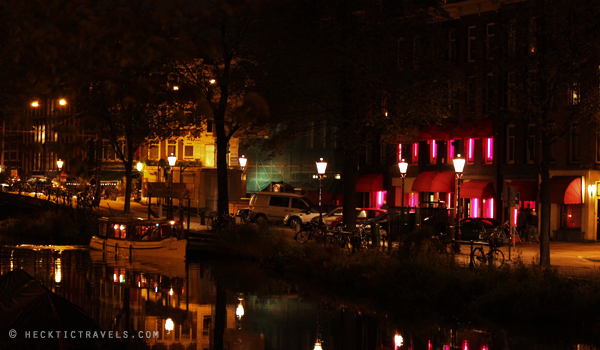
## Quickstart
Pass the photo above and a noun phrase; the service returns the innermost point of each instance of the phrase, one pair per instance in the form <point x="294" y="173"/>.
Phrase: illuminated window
<point x="415" y="153"/>
<point x="487" y="206"/>
<point x="470" y="145"/>
<point x="574" y="94"/>
<point x="209" y="154"/>
<point x="488" y="150"/>
<point x="451" y="151"/>
<point x="474" y="208"/>
<point x="400" y="152"/>
<point x="432" y="151"/>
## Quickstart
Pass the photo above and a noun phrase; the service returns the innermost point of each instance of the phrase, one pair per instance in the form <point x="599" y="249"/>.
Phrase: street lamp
<point x="243" y="160"/>
<point x="321" y="166"/>
<point x="403" y="167"/>
<point x="459" y="165"/>
<point x="172" y="160"/>
<point x="59" y="164"/>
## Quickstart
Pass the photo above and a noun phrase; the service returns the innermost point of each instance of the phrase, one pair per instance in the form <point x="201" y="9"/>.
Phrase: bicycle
<point x="220" y="221"/>
<point x="494" y="257"/>
<point x="310" y="231"/>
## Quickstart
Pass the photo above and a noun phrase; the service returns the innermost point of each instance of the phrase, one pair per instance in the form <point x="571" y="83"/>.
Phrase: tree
<point x="217" y="71"/>
<point x="350" y="76"/>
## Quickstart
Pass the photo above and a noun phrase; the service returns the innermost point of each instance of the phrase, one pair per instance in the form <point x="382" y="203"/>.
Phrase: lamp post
<point x="321" y="166"/>
<point x="59" y="164"/>
<point x="459" y="165"/>
<point x="172" y="161"/>
<point x="243" y="160"/>
<point x="403" y="167"/>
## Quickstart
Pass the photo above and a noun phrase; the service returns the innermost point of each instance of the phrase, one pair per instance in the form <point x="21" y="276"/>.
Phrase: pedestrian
<point x="522" y="222"/>
<point x="93" y="181"/>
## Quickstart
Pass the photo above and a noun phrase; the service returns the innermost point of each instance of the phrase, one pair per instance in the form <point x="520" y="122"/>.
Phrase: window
<point x="512" y="38"/>
<point x="206" y="323"/>
<point x="490" y="94"/>
<point x="298" y="203"/>
<point x="471" y="44"/>
<point x="488" y="150"/>
<point x="570" y="216"/>
<point x="471" y="94"/>
<point x="489" y="41"/>
<point x="470" y="146"/>
<point x="382" y="152"/>
<point x="451" y="151"/>
<point x="153" y="151"/>
<point x="209" y="126"/>
<point x="510" y="91"/>
<point x="574" y="144"/>
<point x="400" y="152"/>
<point x="452" y="45"/>
<point x="510" y="144"/>
<point x="532" y="35"/>
<point x="432" y="151"/>
<point x="531" y="133"/>
<point x="415" y="153"/>
<point x="209" y="155"/>
<point x="172" y="147"/>
<point x="188" y="151"/>
<point x="574" y="94"/>
<point x="279" y="202"/>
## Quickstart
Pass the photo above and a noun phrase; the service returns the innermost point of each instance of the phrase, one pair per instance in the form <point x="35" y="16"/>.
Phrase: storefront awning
<point x="443" y="182"/>
<point x="527" y="189"/>
<point x="434" y="181"/>
<point x="566" y="189"/>
<point x="477" y="189"/>
<point x="423" y="181"/>
<point x="370" y="183"/>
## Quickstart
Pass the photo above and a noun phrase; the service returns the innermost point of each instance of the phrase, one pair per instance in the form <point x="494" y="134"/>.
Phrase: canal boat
<point x="130" y="238"/>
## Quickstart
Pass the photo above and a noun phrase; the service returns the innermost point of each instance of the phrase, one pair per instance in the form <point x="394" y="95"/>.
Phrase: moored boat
<point x="128" y="238"/>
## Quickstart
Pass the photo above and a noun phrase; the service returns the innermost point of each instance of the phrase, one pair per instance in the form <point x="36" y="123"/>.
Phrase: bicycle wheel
<point x="478" y="257"/>
<point x="302" y="236"/>
<point x="496" y="258"/>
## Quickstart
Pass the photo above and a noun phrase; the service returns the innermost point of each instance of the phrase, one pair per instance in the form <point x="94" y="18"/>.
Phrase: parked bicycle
<point x="494" y="257"/>
<point x="311" y="231"/>
<point x="220" y="221"/>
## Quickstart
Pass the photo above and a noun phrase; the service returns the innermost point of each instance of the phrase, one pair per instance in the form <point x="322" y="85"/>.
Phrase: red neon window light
<point x="470" y="149"/>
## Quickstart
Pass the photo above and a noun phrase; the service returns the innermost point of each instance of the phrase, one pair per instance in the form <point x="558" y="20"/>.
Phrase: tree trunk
<point x="128" y="173"/>
<point x="545" y="202"/>
<point x="349" y="187"/>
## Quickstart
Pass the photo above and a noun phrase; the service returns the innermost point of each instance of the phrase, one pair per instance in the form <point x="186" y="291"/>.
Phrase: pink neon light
<point x="448" y="199"/>
<point x="434" y="149"/>
<point x="415" y="152"/>
<point x="451" y="155"/>
<point x="471" y="144"/>
<point x="490" y="148"/>
<point x="466" y="346"/>
<point x="514" y="217"/>
<point x="429" y="345"/>
<point x="380" y="198"/>
<point x="491" y="208"/>
<point x="399" y="152"/>
<point x="475" y="207"/>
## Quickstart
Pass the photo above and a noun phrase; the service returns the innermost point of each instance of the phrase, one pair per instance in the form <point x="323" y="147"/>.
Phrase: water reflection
<point x="173" y="305"/>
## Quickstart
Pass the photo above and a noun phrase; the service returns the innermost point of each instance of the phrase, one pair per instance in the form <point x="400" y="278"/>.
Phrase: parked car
<point x="11" y="183"/>
<point x="311" y="214"/>
<point x="243" y="214"/>
<point x="481" y="228"/>
<point x="274" y="206"/>
<point x="362" y="214"/>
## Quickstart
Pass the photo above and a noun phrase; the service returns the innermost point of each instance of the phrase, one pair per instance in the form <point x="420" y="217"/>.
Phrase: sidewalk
<point x="571" y="258"/>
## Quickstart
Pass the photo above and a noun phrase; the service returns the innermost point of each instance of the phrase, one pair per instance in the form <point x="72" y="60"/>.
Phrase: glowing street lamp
<point x="59" y="164"/>
<point x="35" y="104"/>
<point x="459" y="165"/>
<point x="172" y="161"/>
<point x="243" y="161"/>
<point x="321" y="167"/>
<point x="139" y="166"/>
<point x="403" y="167"/>
<point x="62" y="102"/>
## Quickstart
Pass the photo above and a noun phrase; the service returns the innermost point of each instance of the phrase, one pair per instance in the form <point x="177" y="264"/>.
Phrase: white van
<point x="274" y="206"/>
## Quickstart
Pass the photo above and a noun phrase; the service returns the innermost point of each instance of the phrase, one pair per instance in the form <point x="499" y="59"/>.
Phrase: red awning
<point x="423" y="182"/>
<point x="477" y="189"/>
<point x="527" y="189"/>
<point x="443" y="182"/>
<point x="370" y="183"/>
<point x="565" y="189"/>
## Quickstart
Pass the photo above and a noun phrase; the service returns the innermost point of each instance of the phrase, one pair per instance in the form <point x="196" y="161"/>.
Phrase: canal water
<point x="162" y="304"/>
